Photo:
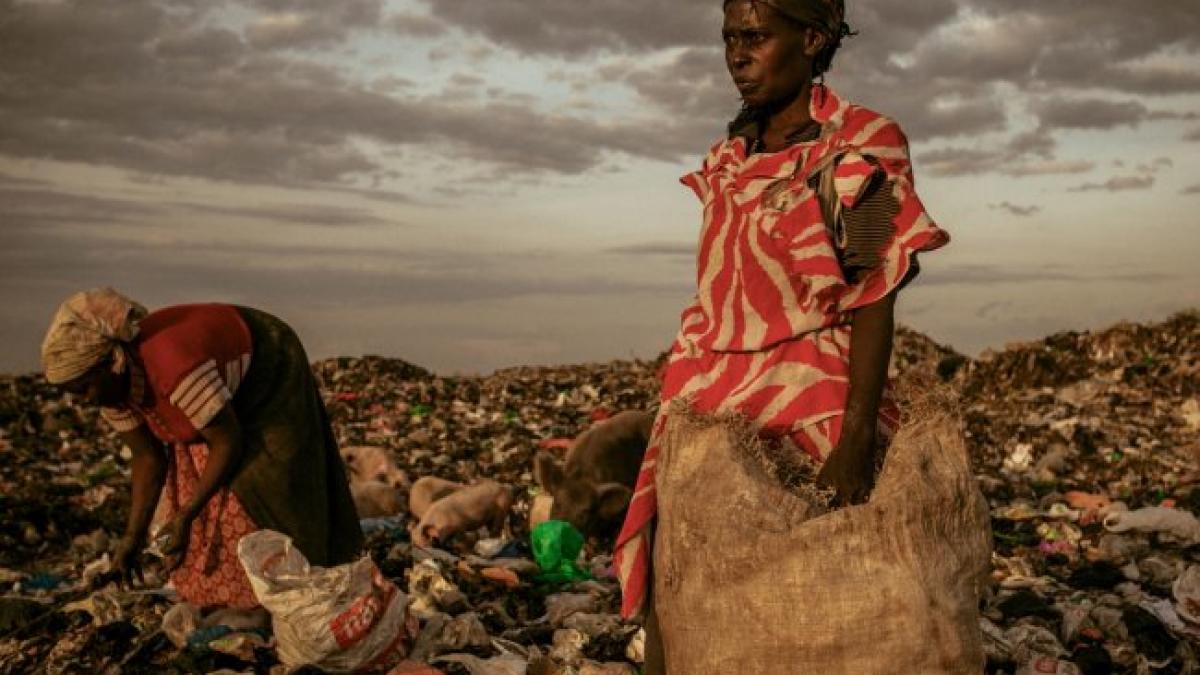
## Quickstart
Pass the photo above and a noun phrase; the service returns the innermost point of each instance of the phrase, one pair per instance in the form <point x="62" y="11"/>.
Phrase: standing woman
<point x="225" y="422"/>
<point x="811" y="226"/>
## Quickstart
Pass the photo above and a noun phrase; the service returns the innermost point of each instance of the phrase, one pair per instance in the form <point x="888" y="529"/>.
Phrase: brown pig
<point x="371" y="463"/>
<point x="593" y="487"/>
<point x="425" y="491"/>
<point x="483" y="503"/>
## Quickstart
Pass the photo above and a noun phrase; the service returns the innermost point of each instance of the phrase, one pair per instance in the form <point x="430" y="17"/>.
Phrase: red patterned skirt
<point x="211" y="574"/>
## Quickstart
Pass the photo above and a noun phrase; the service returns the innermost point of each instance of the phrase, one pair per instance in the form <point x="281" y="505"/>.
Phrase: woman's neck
<point x="784" y="119"/>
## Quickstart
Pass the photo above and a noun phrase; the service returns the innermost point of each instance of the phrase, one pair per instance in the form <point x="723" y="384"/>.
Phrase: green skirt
<point x="291" y="478"/>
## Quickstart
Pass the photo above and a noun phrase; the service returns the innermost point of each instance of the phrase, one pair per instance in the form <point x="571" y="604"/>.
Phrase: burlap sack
<point x="748" y="581"/>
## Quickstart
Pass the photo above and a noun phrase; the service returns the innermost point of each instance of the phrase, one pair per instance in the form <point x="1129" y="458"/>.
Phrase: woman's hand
<point x="127" y="561"/>
<point x="173" y="541"/>
<point x="850" y="468"/>
<point x="850" y="471"/>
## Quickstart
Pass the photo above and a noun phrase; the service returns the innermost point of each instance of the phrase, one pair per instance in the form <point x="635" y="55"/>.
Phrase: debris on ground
<point x="1087" y="446"/>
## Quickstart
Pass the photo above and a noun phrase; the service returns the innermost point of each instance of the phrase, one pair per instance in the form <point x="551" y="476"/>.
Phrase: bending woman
<point x="222" y="413"/>
<point x="811" y="226"/>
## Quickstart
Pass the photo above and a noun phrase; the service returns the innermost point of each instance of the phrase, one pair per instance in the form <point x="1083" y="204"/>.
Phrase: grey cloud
<point x="1111" y="52"/>
<point x="960" y="161"/>
<point x="320" y="275"/>
<point x="1089" y="113"/>
<point x="416" y="25"/>
<point x="957" y="161"/>
<point x="8" y="180"/>
<point x="574" y="29"/>
<point x="309" y="214"/>
<point x="27" y="204"/>
<point x="1156" y="115"/>
<point x="292" y="24"/>
<point x="1117" y="184"/>
<point x="1016" y="209"/>
<point x="1037" y="141"/>
<point x="186" y="107"/>
<point x="1191" y="190"/>
<point x="693" y="83"/>
<point x="1192" y="135"/>
<point x="1048" y="168"/>
<point x="166" y="88"/>
<point x="925" y="115"/>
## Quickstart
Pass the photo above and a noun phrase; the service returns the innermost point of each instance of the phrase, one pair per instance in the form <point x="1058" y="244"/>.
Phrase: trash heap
<point x="1074" y="437"/>
<point x="1087" y="447"/>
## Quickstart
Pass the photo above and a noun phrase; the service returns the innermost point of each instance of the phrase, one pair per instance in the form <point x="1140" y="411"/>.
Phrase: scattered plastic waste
<point x="1180" y="526"/>
<point x="1072" y="438"/>
<point x="556" y="546"/>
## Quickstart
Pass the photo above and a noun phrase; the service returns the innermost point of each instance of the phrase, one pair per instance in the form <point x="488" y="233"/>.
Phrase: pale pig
<point x="373" y="499"/>
<point x="484" y="503"/>
<point x="370" y="463"/>
<point x="425" y="491"/>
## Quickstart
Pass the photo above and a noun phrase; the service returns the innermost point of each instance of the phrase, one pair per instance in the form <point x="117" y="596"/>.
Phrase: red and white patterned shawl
<point x="768" y="334"/>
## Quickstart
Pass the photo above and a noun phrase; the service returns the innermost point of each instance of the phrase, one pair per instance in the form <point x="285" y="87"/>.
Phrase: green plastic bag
<point x="556" y="545"/>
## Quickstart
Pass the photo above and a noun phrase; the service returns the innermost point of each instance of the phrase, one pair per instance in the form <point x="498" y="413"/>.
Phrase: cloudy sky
<point x="470" y="184"/>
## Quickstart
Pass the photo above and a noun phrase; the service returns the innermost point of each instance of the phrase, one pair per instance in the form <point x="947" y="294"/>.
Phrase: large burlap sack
<point x="748" y="579"/>
<point x="348" y="618"/>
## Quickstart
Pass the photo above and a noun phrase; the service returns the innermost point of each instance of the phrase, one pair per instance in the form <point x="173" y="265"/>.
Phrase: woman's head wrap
<point x="828" y="15"/>
<point x="88" y="327"/>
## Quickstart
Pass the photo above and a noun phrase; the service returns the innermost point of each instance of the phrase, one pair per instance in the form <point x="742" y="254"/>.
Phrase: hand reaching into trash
<point x="173" y="541"/>
<point x="127" y="561"/>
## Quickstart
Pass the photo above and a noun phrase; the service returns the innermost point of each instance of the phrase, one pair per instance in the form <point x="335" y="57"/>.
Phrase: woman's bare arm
<point x="149" y="466"/>
<point x="850" y="467"/>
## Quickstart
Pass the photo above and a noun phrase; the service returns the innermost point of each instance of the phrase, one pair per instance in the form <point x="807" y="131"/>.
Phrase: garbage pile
<point x="1087" y="447"/>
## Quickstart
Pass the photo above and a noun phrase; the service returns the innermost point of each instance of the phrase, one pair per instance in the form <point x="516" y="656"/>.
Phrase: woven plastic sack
<point x="747" y="579"/>
<point x="341" y="619"/>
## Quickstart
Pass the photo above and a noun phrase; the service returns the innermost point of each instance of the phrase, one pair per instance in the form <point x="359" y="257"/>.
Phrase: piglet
<point x="371" y="463"/>
<point x="592" y="489"/>
<point x="373" y="499"/>
<point x="428" y="490"/>
<point x="483" y="503"/>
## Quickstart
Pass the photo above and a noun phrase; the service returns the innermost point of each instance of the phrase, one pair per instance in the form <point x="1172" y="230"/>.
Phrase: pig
<point x="375" y="481"/>
<point x="428" y="490"/>
<point x="483" y="503"/>
<point x="373" y="499"/>
<point x="593" y="487"/>
<point x="370" y="463"/>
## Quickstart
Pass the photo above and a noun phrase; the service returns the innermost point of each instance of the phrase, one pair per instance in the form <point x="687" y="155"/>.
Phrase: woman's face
<point x="768" y="56"/>
<point x="99" y="386"/>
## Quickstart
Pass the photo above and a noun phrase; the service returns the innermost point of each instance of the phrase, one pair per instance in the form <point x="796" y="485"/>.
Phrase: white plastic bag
<point x="341" y="619"/>
<point x="1176" y="524"/>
